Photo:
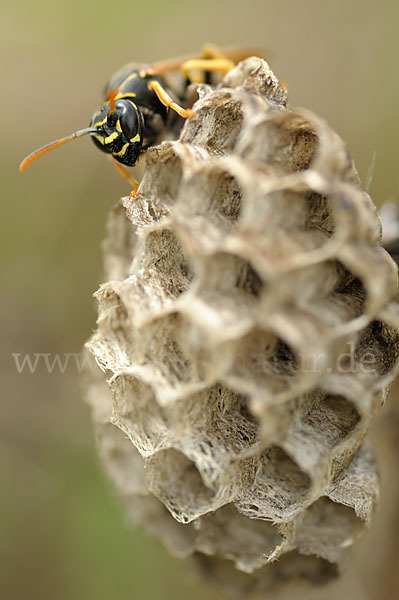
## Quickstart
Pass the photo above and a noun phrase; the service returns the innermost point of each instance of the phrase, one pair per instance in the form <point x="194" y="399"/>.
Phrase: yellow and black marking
<point x="138" y="98"/>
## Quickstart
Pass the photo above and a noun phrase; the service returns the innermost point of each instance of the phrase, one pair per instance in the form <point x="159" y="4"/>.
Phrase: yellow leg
<point x="234" y="54"/>
<point x="223" y="65"/>
<point x="166" y="100"/>
<point x="126" y="175"/>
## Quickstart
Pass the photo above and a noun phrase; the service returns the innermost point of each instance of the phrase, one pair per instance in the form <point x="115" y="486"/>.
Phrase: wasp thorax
<point x="119" y="130"/>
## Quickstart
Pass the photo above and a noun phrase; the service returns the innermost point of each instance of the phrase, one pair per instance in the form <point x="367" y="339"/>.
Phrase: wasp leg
<point x="126" y="175"/>
<point x="169" y="65"/>
<point x="234" y="53"/>
<point x="166" y="100"/>
<point x="209" y="51"/>
<point x="223" y="65"/>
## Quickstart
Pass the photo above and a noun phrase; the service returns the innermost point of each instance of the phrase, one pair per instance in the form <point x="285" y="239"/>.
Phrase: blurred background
<point x="62" y="533"/>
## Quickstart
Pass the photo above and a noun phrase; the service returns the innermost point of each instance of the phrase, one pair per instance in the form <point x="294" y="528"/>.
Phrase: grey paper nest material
<point x="245" y="340"/>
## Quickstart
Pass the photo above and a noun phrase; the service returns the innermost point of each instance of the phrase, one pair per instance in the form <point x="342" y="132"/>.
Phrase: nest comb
<point x="246" y="337"/>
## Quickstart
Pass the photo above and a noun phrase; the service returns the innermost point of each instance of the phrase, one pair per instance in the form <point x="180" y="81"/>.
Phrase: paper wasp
<point x="135" y="111"/>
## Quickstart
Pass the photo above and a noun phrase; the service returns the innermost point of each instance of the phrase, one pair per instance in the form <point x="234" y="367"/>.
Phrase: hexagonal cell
<point x="226" y="273"/>
<point x="216" y="130"/>
<point x="223" y="295"/>
<point x="215" y="429"/>
<point x="332" y="157"/>
<point x="307" y="287"/>
<point x="263" y="364"/>
<point x="227" y="533"/>
<point x="226" y="422"/>
<point x="114" y="323"/>
<point x="279" y="490"/>
<point x="163" y="175"/>
<point x="138" y="414"/>
<point x="329" y="418"/>
<point x="255" y="76"/>
<point x="328" y="530"/>
<point x="315" y="436"/>
<point x="214" y="193"/>
<point x="359" y="368"/>
<point x="370" y="265"/>
<point x="175" y="480"/>
<point x="357" y="485"/>
<point x="160" y="359"/>
<point x="377" y="349"/>
<point x="285" y="141"/>
<point x="163" y="261"/>
<point x="350" y="286"/>
<point x="334" y="296"/>
<point x="160" y="274"/>
<point x="319" y="215"/>
<point x="273" y="210"/>
<point x="223" y="274"/>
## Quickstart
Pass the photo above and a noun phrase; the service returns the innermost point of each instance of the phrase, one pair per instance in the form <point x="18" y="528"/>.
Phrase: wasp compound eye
<point x="128" y="118"/>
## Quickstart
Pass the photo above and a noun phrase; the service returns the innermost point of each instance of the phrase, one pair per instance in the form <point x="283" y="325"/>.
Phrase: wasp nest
<point x="246" y="336"/>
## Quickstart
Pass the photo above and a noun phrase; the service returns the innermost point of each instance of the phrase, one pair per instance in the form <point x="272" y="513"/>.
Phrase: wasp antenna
<point x="40" y="151"/>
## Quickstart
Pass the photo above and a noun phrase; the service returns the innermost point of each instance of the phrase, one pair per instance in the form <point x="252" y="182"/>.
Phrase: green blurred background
<point x="62" y="533"/>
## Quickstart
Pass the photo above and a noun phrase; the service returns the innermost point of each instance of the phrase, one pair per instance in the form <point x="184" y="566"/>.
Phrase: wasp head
<point x="119" y="129"/>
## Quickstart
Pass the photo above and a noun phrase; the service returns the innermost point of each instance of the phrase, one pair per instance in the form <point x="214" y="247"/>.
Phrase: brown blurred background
<point x="62" y="534"/>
